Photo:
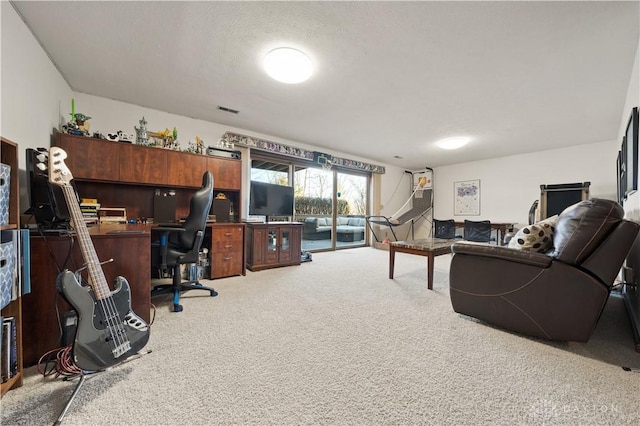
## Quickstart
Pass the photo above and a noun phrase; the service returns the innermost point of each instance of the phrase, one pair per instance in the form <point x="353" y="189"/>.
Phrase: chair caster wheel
<point x="177" y="308"/>
<point x="213" y="293"/>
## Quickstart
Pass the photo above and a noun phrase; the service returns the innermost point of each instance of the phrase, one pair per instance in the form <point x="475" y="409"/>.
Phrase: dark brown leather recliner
<point x="558" y="295"/>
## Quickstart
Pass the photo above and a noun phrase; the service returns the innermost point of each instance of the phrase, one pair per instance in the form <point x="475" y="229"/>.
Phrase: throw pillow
<point x="537" y="237"/>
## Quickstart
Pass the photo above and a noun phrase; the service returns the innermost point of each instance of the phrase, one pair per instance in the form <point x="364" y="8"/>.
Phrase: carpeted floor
<point x="335" y="342"/>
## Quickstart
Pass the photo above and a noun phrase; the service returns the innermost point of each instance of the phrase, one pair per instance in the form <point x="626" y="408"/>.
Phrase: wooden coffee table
<point x="430" y="247"/>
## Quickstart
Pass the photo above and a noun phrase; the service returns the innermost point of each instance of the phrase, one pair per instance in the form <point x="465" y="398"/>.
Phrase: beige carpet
<point x="335" y="342"/>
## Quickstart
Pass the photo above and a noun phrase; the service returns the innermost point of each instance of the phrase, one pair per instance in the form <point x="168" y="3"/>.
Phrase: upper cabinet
<point x="227" y="173"/>
<point x="142" y="165"/>
<point x="184" y="169"/>
<point x="89" y="159"/>
<point x="100" y="160"/>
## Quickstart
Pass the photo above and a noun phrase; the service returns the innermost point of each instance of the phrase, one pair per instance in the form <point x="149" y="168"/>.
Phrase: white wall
<point x="32" y="88"/>
<point x="509" y="185"/>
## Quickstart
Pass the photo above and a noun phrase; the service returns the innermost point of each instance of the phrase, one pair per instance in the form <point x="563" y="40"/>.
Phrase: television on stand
<point x="268" y="199"/>
<point x="47" y="202"/>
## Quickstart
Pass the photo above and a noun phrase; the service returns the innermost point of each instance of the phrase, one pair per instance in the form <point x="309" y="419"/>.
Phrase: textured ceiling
<point x="391" y="78"/>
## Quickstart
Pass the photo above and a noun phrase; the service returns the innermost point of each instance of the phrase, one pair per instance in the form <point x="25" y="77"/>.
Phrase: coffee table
<point x="429" y="247"/>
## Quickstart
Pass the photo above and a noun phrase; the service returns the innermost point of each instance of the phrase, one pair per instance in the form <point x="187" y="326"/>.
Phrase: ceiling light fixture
<point x="453" y="143"/>
<point x="288" y="65"/>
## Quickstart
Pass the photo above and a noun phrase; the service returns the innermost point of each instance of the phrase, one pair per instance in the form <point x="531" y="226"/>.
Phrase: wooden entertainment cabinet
<point x="121" y="174"/>
<point x="274" y="244"/>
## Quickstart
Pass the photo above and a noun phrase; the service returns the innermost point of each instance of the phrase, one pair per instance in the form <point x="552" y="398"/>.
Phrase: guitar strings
<point x="114" y="323"/>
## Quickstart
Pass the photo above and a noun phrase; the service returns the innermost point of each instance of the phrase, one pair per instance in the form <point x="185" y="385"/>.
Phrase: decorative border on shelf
<point x="279" y="148"/>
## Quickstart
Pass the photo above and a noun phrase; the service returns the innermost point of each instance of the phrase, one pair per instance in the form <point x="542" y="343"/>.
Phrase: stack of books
<point x="9" y="352"/>
<point x="90" y="208"/>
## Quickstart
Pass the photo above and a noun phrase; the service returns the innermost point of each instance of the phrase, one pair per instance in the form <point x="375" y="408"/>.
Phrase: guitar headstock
<point x="59" y="173"/>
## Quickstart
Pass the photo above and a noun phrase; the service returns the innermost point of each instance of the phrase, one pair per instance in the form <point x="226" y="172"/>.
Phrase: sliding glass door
<point x="331" y="203"/>
<point x="314" y="206"/>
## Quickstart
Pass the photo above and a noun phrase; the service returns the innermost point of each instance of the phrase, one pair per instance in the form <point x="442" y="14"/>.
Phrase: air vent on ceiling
<point x="225" y="109"/>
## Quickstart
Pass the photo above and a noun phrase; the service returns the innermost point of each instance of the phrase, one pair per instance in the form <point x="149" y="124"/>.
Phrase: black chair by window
<point x="179" y="244"/>
<point x="478" y="231"/>
<point x="444" y="229"/>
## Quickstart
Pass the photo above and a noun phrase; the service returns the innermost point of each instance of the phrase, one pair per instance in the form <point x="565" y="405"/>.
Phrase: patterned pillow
<point x="537" y="237"/>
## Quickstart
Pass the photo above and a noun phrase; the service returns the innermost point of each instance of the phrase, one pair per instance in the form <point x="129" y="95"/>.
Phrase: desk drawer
<point x="227" y="239"/>
<point x="226" y="264"/>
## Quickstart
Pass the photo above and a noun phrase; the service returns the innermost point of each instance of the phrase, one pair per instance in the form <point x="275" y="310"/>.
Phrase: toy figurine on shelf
<point x="141" y="133"/>
<point x="196" y="147"/>
<point x="79" y="123"/>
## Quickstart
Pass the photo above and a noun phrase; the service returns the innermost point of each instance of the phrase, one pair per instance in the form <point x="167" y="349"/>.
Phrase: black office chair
<point x="478" y="231"/>
<point x="444" y="228"/>
<point x="180" y="244"/>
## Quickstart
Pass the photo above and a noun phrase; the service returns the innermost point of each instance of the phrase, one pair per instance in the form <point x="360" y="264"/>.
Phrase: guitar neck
<point x="96" y="275"/>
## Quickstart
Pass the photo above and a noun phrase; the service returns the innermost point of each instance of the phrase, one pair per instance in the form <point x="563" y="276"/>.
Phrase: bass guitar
<point x="108" y="331"/>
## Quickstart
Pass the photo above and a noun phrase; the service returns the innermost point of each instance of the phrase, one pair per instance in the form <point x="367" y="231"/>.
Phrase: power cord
<point x="58" y="362"/>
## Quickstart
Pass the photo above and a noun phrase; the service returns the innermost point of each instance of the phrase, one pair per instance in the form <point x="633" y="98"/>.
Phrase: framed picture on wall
<point x="623" y="169"/>
<point x="466" y="198"/>
<point x="619" y="178"/>
<point x="631" y="152"/>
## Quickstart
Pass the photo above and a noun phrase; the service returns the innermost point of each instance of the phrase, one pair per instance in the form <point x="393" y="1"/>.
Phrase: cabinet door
<point x="91" y="159"/>
<point x="296" y="242"/>
<point x="272" y="247"/>
<point x="285" y="244"/>
<point x="185" y="169"/>
<point x="227" y="173"/>
<point x="141" y="164"/>
<point x="258" y="246"/>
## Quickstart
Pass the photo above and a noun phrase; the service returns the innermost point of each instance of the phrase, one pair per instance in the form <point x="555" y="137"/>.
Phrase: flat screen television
<point x="631" y="154"/>
<point x="47" y="202"/>
<point x="268" y="199"/>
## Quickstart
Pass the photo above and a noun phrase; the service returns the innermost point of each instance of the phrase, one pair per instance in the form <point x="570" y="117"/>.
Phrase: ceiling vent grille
<point x="229" y="110"/>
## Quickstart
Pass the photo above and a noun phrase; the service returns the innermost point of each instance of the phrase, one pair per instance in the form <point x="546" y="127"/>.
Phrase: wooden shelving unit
<point x="9" y="156"/>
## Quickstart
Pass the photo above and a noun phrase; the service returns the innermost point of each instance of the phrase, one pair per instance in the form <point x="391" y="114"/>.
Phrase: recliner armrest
<point x="504" y="253"/>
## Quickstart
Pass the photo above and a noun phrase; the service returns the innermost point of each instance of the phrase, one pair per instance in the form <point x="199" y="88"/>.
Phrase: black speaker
<point x="220" y="208"/>
<point x="164" y="207"/>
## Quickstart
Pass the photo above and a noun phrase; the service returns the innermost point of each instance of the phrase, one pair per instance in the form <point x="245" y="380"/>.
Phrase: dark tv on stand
<point x="268" y="199"/>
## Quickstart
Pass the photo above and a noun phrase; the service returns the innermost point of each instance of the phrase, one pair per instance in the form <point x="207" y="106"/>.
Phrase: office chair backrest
<point x="479" y="231"/>
<point x="198" y="211"/>
<point x="444" y="228"/>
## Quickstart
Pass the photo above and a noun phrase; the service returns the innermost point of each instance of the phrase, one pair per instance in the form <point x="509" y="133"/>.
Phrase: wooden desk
<point x="131" y="259"/>
<point x="500" y="228"/>
<point x="430" y="247"/>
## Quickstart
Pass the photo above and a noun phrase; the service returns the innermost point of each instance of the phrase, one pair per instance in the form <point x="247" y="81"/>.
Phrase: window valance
<point x="279" y="148"/>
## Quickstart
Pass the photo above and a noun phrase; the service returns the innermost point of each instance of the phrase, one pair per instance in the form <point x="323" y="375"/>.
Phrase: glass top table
<point x="429" y="247"/>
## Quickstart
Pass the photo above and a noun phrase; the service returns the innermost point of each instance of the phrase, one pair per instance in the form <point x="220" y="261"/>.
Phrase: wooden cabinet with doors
<point x="126" y="175"/>
<point x="270" y="245"/>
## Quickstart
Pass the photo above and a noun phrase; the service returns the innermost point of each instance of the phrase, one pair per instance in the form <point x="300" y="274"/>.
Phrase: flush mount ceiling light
<point x="453" y="143"/>
<point x="288" y="65"/>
